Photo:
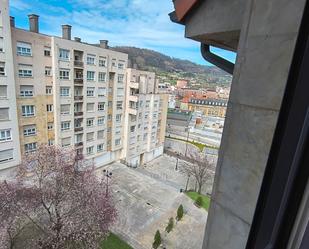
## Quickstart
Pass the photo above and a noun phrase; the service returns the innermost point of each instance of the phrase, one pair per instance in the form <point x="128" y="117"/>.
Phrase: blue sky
<point x="139" y="23"/>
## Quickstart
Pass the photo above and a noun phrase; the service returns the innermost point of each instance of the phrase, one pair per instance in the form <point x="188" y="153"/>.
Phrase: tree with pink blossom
<point x="65" y="201"/>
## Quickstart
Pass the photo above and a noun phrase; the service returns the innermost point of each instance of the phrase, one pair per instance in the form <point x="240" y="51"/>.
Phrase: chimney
<point x="77" y="39"/>
<point x="34" y="23"/>
<point x="12" y="21"/>
<point x="104" y="44"/>
<point x="135" y="66"/>
<point x="66" y="31"/>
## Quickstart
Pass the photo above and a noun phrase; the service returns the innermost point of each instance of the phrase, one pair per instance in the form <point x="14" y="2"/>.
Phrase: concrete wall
<point x="267" y="41"/>
<point x="8" y="80"/>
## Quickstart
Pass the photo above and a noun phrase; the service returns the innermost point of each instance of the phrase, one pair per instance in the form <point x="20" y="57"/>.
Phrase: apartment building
<point x="68" y="93"/>
<point x="9" y="137"/>
<point x="146" y="112"/>
<point x="210" y="107"/>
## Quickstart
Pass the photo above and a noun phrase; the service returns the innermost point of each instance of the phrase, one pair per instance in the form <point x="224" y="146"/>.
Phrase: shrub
<point x="170" y="225"/>
<point x="199" y="201"/>
<point x="157" y="240"/>
<point x="180" y="212"/>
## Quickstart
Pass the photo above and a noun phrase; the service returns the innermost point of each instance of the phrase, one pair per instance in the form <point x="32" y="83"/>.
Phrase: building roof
<point x="182" y="8"/>
<point x="212" y="102"/>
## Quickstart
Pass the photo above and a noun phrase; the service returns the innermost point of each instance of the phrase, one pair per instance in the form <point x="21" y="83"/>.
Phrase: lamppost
<point x="188" y="134"/>
<point x="177" y="155"/>
<point x="108" y="175"/>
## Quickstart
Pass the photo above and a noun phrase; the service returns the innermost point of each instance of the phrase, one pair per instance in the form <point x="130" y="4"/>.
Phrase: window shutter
<point x="4" y="113"/>
<point x="6" y="155"/>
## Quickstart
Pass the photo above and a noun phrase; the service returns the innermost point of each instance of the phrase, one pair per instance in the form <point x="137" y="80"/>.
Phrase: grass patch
<point x="197" y="144"/>
<point x="194" y="195"/>
<point x="114" y="242"/>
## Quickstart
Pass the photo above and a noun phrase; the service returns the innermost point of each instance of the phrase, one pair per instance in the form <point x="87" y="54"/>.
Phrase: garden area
<point x="199" y="199"/>
<point x="114" y="242"/>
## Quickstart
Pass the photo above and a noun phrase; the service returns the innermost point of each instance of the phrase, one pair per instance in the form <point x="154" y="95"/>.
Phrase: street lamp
<point x="108" y="175"/>
<point x="177" y="158"/>
<point x="188" y="134"/>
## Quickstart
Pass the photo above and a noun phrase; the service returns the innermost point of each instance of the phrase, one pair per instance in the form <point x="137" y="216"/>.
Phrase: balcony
<point x="78" y="114"/>
<point x="78" y="129"/>
<point x="79" y="144"/>
<point x="78" y="64"/>
<point x="78" y="98"/>
<point x="133" y="98"/>
<point x="134" y="85"/>
<point x="79" y="81"/>
<point x="133" y="111"/>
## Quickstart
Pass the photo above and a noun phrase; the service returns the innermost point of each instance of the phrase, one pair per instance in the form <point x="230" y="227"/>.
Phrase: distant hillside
<point x="151" y="60"/>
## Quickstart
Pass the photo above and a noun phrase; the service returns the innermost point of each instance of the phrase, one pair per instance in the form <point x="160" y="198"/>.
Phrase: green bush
<point x="157" y="240"/>
<point x="199" y="201"/>
<point x="170" y="225"/>
<point x="180" y="212"/>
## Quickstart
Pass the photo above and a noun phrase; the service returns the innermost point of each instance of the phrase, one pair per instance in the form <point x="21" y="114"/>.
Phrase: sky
<point x="138" y="23"/>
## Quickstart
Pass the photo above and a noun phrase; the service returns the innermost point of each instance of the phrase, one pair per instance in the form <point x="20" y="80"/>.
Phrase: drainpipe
<point x="218" y="61"/>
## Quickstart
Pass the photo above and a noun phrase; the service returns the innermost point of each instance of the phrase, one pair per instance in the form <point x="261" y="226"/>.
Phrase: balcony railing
<point x="78" y="98"/>
<point x="78" y="129"/>
<point x="78" y="144"/>
<point x="78" y="64"/>
<point x="79" y="81"/>
<point x="78" y="113"/>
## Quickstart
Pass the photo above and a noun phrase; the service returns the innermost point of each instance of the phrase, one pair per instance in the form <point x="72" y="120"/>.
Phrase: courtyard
<point x="147" y="197"/>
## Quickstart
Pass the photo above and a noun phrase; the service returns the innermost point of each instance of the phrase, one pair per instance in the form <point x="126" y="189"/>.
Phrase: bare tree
<point x="196" y="165"/>
<point x="71" y="207"/>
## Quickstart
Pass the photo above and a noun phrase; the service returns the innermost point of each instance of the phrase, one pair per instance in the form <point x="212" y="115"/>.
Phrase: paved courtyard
<point x="146" y="199"/>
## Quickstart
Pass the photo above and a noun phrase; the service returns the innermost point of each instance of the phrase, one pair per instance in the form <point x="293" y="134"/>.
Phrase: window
<point x="2" y="68"/>
<point x="51" y="142"/>
<point x="102" y="62"/>
<point x="64" y="54"/>
<point x="101" y="121"/>
<point x="6" y="155"/>
<point x="118" y="118"/>
<point x="1" y="45"/>
<point x="119" y="105"/>
<point x="90" y="59"/>
<point x="90" y="91"/>
<point x="47" y="51"/>
<point x="110" y="103"/>
<point x="65" y="142"/>
<point x="65" y="109"/>
<point x="28" y="110"/>
<point x="29" y="130"/>
<point x="50" y="126"/>
<point x="64" y="91"/>
<point x="4" y="114"/>
<point x="90" y="75"/>
<point x="49" y="108"/>
<point x="100" y="147"/>
<point x="90" y="122"/>
<point x="120" y="65"/>
<point x="64" y="74"/>
<point x="132" y="128"/>
<point x="90" y="150"/>
<point x="5" y="135"/>
<point x="25" y="70"/>
<point x="3" y="91"/>
<point x="26" y="91"/>
<point x="24" y="49"/>
<point x="109" y="117"/>
<point x="47" y="71"/>
<point x="49" y="90"/>
<point x="101" y="91"/>
<point x="120" y="78"/>
<point x="120" y="92"/>
<point x="65" y="125"/>
<point x="30" y="147"/>
<point x="78" y="138"/>
<point x="102" y="77"/>
<point x="117" y="141"/>
<point x="101" y="134"/>
<point x="101" y="106"/>
<point x="90" y="107"/>
<point x="113" y="62"/>
<point x="90" y="136"/>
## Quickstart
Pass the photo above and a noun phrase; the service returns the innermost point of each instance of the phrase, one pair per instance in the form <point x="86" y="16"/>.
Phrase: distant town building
<point x="182" y="83"/>
<point x="210" y="107"/>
